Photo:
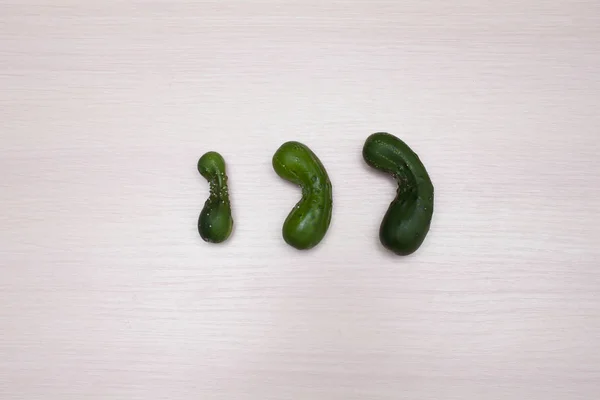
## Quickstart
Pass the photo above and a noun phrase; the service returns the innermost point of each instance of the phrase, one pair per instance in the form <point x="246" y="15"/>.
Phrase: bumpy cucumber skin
<point x="408" y="218"/>
<point x="215" y="222"/>
<point x="308" y="222"/>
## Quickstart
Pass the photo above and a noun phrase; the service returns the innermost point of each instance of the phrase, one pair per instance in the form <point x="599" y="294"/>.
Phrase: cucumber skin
<point x="407" y="221"/>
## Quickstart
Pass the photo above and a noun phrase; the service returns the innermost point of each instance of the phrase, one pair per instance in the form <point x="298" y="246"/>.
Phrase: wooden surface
<point x="107" y="291"/>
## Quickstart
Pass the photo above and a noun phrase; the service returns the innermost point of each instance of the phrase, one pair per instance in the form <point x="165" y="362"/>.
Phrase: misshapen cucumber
<point x="408" y="218"/>
<point x="309" y="220"/>
<point x="215" y="222"/>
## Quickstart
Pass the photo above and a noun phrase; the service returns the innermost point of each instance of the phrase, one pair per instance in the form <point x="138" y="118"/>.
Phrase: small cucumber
<point x="307" y="223"/>
<point x="408" y="218"/>
<point x="215" y="222"/>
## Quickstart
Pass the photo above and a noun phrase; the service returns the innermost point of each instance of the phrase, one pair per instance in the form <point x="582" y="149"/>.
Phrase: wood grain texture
<point x="107" y="291"/>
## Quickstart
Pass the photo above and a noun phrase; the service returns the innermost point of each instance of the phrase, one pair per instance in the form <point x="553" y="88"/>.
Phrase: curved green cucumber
<point x="215" y="222"/>
<point x="307" y="223"/>
<point x="408" y="218"/>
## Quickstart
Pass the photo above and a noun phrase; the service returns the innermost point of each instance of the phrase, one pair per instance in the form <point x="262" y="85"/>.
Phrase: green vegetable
<point x="408" y="218"/>
<point x="215" y="223"/>
<point x="307" y="223"/>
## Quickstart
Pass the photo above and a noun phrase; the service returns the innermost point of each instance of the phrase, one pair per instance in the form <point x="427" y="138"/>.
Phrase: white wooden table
<point x="107" y="291"/>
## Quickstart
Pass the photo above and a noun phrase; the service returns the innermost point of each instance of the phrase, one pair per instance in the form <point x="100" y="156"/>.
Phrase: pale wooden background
<point x="107" y="291"/>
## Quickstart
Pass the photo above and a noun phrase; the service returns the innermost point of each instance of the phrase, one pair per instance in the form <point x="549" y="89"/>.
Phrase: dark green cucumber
<point x="408" y="218"/>
<point x="309" y="220"/>
<point x="215" y="222"/>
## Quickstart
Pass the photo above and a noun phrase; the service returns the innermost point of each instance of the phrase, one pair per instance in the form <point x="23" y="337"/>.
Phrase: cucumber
<point x="408" y="218"/>
<point x="308" y="222"/>
<point x="215" y="222"/>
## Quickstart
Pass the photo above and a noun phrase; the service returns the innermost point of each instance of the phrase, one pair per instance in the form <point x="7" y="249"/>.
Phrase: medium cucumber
<point x="309" y="220"/>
